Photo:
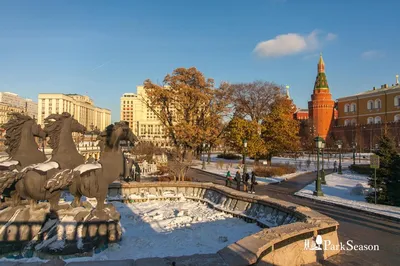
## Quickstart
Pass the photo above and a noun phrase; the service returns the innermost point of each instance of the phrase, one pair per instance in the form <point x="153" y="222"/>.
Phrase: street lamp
<point x="354" y="144"/>
<point x="244" y="156"/>
<point x="202" y="155"/>
<point x="323" y="181"/>
<point x="339" y="145"/>
<point x="319" y="144"/>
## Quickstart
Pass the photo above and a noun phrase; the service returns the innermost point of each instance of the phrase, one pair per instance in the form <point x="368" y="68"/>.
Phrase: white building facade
<point x="80" y="106"/>
<point x="142" y="120"/>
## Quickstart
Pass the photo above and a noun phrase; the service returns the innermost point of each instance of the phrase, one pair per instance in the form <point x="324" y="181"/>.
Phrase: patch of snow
<point x="9" y="163"/>
<point x="348" y="190"/>
<point x="44" y="167"/>
<point x="87" y="167"/>
<point x="12" y="219"/>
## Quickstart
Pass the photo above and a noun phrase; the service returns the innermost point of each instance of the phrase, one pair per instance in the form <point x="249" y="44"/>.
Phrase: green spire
<point x="321" y="82"/>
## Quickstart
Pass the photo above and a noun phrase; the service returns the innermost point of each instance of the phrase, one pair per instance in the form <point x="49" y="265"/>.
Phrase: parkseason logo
<point x="319" y="244"/>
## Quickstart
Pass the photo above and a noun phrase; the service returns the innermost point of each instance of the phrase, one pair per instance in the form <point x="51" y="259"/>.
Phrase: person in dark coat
<point x="246" y="178"/>
<point x="253" y="182"/>
<point x="237" y="179"/>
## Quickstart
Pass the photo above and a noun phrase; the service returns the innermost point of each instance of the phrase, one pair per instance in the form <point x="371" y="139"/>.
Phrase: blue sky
<point x="106" y="48"/>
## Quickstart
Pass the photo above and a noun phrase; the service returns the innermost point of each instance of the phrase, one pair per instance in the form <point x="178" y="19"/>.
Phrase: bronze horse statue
<point x="92" y="180"/>
<point x="23" y="151"/>
<point x="65" y="157"/>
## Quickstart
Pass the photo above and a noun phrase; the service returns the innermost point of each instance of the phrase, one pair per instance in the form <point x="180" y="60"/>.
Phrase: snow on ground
<point x="171" y="228"/>
<point x="347" y="159"/>
<point x="349" y="190"/>
<point x="233" y="168"/>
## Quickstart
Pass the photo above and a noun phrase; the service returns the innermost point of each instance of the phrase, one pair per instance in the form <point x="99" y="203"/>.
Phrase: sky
<point x="106" y="48"/>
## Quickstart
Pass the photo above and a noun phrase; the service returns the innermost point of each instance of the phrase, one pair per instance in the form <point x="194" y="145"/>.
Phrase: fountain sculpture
<point x="45" y="226"/>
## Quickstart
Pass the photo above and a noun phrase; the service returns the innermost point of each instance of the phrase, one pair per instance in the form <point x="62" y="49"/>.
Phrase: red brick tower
<point x="321" y="105"/>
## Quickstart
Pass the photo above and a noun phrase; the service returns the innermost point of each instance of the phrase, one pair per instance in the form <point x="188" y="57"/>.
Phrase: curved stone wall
<point x="289" y="228"/>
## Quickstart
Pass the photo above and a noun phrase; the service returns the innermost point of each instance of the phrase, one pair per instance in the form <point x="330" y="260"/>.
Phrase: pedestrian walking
<point x="335" y="167"/>
<point x="237" y="179"/>
<point x="228" y="181"/>
<point x="246" y="178"/>
<point x="253" y="182"/>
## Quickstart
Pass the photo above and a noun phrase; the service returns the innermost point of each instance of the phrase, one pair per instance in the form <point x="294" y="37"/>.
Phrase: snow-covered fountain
<point x="275" y="230"/>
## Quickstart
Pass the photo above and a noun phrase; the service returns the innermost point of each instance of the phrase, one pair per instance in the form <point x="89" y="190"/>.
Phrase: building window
<point x="378" y="120"/>
<point x="397" y="101"/>
<point x="370" y="120"/>
<point x="346" y="122"/>
<point x="347" y="108"/>
<point x="397" y="118"/>
<point x="353" y="107"/>
<point x="370" y="105"/>
<point x="353" y="121"/>
<point x="377" y="104"/>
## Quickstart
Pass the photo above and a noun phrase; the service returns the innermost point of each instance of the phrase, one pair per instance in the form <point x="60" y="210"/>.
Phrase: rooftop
<point x="383" y="88"/>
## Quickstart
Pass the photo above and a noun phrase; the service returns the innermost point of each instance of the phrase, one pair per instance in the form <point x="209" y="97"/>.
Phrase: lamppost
<point x="202" y="155"/>
<point x="244" y="156"/>
<point x="339" y="145"/>
<point x="354" y="145"/>
<point x="318" y="143"/>
<point x="323" y="181"/>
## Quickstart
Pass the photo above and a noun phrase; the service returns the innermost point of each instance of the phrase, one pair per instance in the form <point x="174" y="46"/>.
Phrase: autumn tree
<point x="280" y="130"/>
<point x="251" y="102"/>
<point x="240" y="129"/>
<point x="189" y="107"/>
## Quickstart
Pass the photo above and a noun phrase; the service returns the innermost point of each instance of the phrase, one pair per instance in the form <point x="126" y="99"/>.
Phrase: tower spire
<point x="321" y="64"/>
<point x="287" y="92"/>
<point x="321" y="82"/>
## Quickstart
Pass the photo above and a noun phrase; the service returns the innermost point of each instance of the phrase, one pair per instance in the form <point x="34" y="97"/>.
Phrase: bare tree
<point x="253" y="100"/>
<point x="146" y="150"/>
<point x="176" y="167"/>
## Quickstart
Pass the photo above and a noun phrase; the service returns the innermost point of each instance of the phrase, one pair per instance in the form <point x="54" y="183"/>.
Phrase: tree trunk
<point x="183" y="156"/>
<point x="209" y="156"/>
<point x="269" y="159"/>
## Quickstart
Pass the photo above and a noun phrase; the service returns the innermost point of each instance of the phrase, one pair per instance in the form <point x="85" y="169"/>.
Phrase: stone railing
<point x="289" y="229"/>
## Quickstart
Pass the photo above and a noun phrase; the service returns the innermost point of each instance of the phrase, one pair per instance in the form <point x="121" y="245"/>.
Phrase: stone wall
<point x="287" y="225"/>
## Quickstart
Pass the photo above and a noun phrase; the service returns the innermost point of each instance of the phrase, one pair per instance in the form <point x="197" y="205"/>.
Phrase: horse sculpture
<point x="65" y="157"/>
<point x="23" y="151"/>
<point x="92" y="180"/>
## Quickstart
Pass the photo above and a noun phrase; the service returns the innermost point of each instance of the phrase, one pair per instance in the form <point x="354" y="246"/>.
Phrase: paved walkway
<point x="357" y="226"/>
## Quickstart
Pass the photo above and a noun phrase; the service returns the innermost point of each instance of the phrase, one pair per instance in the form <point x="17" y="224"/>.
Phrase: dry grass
<point x="275" y="170"/>
<point x="169" y="179"/>
<point x="220" y="164"/>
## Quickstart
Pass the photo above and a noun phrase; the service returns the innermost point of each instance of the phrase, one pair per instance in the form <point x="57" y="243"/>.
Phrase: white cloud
<point x="372" y="54"/>
<point x="291" y="43"/>
<point x="330" y="36"/>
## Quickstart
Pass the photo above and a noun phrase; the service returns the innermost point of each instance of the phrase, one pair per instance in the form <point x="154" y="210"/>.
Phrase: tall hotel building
<point x="18" y="104"/>
<point x="142" y="120"/>
<point x="81" y="107"/>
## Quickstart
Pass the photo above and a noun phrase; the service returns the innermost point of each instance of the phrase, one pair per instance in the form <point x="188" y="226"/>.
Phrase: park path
<point x="359" y="227"/>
